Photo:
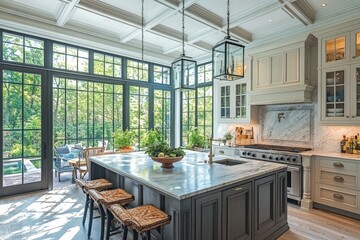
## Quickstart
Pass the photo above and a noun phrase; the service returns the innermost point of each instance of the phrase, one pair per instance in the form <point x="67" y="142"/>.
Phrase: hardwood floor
<point x="319" y="225"/>
<point x="57" y="214"/>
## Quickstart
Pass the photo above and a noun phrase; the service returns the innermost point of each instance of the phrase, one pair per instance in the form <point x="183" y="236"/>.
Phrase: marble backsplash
<point x="300" y="127"/>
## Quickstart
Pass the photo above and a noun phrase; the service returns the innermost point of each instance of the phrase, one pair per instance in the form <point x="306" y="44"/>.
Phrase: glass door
<point x="23" y="149"/>
<point x="335" y="93"/>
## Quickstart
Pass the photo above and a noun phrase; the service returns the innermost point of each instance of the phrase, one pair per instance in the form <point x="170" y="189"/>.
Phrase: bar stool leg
<point x="90" y="216"/>
<point x="86" y="208"/>
<point x="125" y="232"/>
<point x="102" y="214"/>
<point x="110" y="217"/>
<point x="148" y="237"/>
<point x="135" y="234"/>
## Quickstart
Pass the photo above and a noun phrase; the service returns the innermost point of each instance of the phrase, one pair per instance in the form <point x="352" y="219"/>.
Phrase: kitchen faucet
<point x="211" y="151"/>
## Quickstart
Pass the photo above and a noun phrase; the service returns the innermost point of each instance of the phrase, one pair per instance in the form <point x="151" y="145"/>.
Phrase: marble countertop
<point x="331" y="154"/>
<point x="189" y="177"/>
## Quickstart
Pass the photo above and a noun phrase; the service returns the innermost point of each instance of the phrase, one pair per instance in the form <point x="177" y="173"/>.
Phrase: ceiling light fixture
<point x="183" y="68"/>
<point x="324" y="4"/>
<point x="228" y="56"/>
<point x="270" y="20"/>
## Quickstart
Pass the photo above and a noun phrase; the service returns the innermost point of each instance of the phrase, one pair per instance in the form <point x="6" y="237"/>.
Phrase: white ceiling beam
<point x="300" y="10"/>
<point x="66" y="11"/>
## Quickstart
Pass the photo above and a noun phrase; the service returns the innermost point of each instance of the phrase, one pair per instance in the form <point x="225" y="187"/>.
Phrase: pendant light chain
<point x="228" y="18"/>
<point x="183" y="27"/>
<point x="142" y="32"/>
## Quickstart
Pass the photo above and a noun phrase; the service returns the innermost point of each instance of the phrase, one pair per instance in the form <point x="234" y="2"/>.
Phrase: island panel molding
<point x="199" y="196"/>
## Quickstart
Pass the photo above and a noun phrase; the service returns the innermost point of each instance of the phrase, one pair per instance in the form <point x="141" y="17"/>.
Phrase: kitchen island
<point x="243" y="201"/>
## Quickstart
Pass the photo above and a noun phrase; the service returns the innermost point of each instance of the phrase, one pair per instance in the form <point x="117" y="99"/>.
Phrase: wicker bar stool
<point x="105" y="200"/>
<point x="97" y="184"/>
<point x="141" y="219"/>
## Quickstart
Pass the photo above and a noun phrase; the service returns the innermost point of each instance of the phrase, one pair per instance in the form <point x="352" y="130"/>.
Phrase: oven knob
<point x="263" y="156"/>
<point x="253" y="155"/>
<point x="281" y="159"/>
<point x="294" y="159"/>
<point x="288" y="159"/>
<point x="277" y="159"/>
<point x="270" y="157"/>
<point x="243" y="153"/>
<point x="249" y="153"/>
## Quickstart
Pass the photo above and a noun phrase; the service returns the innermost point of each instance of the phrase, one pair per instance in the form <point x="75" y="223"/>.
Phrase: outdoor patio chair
<point x="62" y="157"/>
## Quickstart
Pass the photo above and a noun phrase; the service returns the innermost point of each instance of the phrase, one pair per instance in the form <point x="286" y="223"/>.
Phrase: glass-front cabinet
<point x="340" y="91"/>
<point x="355" y="45"/>
<point x="233" y="101"/>
<point x="335" y="49"/>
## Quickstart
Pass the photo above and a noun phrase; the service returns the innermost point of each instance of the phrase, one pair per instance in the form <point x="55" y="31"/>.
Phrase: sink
<point x="229" y="162"/>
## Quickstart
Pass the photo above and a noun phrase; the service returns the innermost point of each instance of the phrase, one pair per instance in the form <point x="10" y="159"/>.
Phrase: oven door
<point x="294" y="186"/>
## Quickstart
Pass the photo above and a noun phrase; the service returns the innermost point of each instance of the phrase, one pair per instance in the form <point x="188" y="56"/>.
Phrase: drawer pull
<point x="338" y="196"/>
<point x="338" y="165"/>
<point x="338" y="179"/>
<point x="237" y="189"/>
<point x="221" y="152"/>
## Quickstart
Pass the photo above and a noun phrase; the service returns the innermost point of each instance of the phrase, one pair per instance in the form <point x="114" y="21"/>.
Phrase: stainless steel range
<point x="281" y="154"/>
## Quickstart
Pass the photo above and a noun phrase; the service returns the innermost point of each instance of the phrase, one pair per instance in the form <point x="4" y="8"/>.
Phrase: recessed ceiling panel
<point x="134" y="6"/>
<point x="48" y="6"/>
<point x="88" y="18"/>
<point x="269" y="21"/>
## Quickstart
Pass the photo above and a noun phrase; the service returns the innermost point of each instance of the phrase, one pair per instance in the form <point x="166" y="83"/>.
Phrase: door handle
<point x="338" y="165"/>
<point x="338" y="179"/>
<point x="221" y="152"/>
<point x="338" y="196"/>
<point x="44" y="150"/>
<point x="237" y="189"/>
<point x="293" y="169"/>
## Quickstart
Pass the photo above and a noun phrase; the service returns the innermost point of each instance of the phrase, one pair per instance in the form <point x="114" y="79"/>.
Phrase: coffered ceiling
<point x="115" y="25"/>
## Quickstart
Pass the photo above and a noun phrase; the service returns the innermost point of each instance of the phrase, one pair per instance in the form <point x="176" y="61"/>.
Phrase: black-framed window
<point x="70" y="58"/>
<point x="137" y="70"/>
<point x="23" y="49"/>
<point x="204" y="110"/>
<point x="205" y="73"/>
<point x="86" y="112"/>
<point x="162" y="112"/>
<point x="107" y="65"/>
<point x="161" y="74"/>
<point x="188" y="118"/>
<point x="138" y="112"/>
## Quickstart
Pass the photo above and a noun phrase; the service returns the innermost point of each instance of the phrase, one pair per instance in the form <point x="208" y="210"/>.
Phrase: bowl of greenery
<point x="162" y="153"/>
<point x="124" y="140"/>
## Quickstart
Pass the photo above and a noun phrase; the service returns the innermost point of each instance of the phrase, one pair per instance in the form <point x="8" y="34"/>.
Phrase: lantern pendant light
<point x="228" y="56"/>
<point x="183" y="68"/>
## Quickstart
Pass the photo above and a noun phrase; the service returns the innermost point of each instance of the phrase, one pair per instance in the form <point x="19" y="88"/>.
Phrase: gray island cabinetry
<point x="206" y="202"/>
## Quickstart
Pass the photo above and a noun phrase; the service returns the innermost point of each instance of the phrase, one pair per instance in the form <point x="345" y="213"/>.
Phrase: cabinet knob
<point x="347" y="116"/>
<point x="354" y="56"/>
<point x="338" y="165"/>
<point x="338" y="196"/>
<point x="221" y="152"/>
<point x="353" y="116"/>
<point x="338" y="179"/>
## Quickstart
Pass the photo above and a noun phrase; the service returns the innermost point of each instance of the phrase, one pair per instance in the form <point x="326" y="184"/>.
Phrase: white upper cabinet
<point x="282" y="75"/>
<point x="231" y="104"/>
<point x="339" y="79"/>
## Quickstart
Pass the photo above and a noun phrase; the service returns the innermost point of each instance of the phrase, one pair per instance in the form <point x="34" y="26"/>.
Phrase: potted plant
<point x="227" y="138"/>
<point x="150" y="137"/>
<point x="196" y="140"/>
<point x="124" y="140"/>
<point x="162" y="153"/>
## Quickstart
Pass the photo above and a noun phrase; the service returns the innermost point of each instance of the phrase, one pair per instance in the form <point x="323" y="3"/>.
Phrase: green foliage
<point x="227" y="136"/>
<point x="162" y="149"/>
<point x="123" y="139"/>
<point x="16" y="150"/>
<point x="150" y="137"/>
<point x="196" y="140"/>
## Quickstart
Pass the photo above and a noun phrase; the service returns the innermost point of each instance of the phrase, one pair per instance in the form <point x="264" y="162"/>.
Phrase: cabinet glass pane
<point x="225" y="102"/>
<point x="357" y="36"/>
<point x="335" y="49"/>
<point x="240" y="103"/>
<point x="335" y="94"/>
<point x="357" y="91"/>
